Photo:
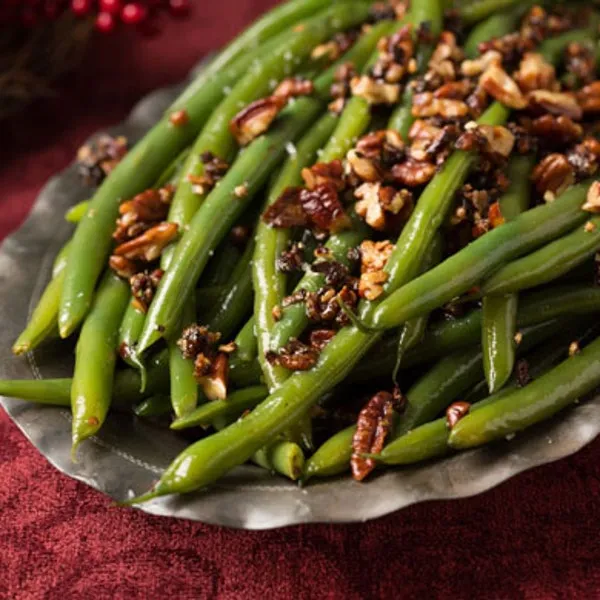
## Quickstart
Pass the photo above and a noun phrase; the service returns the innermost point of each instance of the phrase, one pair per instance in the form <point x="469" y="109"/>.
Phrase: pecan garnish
<point x="535" y="73"/>
<point x="373" y="91"/>
<point x="150" y="244"/>
<point x="385" y="147"/>
<point x="488" y="139"/>
<point x="584" y="157"/>
<point x="329" y="173"/>
<point x="556" y="131"/>
<point x="324" y="306"/>
<point x="97" y="159"/>
<point x="413" y="173"/>
<point x="588" y="97"/>
<point x="427" y="104"/>
<point x="592" y="201"/>
<point x="143" y="287"/>
<point x="374" y="256"/>
<point x="472" y="68"/>
<point x="383" y="207"/>
<point x="123" y="267"/>
<point x="334" y="48"/>
<point x="293" y="87"/>
<point x="211" y="364"/>
<point x="455" y="412"/>
<point x="498" y="84"/>
<point x="556" y="103"/>
<point x="214" y="169"/>
<point x="372" y="428"/>
<point x="553" y="174"/>
<point x="340" y="88"/>
<point x="256" y="118"/>
<point x="319" y="208"/>
<point x="319" y="338"/>
<point x="365" y="168"/>
<point x="580" y="65"/>
<point x="295" y="356"/>
<point x="292" y="259"/>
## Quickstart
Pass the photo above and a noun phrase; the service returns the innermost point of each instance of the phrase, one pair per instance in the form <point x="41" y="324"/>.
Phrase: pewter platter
<point x="128" y="455"/>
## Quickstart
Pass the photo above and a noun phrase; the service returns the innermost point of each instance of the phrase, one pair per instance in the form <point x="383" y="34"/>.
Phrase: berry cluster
<point x="107" y="13"/>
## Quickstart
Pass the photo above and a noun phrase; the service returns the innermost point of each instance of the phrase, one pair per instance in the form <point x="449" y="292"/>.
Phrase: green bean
<point x="500" y="311"/>
<point x="285" y="458"/>
<point x="129" y="334"/>
<point x="431" y="440"/>
<point x="95" y="358"/>
<point x="218" y="213"/>
<point x="235" y="302"/>
<point x="477" y="11"/>
<point x="431" y="394"/>
<point x="57" y="392"/>
<point x="246" y="343"/>
<point x="155" y="406"/>
<point x="414" y="330"/>
<point x="206" y="297"/>
<point x="216" y="136"/>
<point x="294" y="319"/>
<point x="221" y="265"/>
<point x="77" y="212"/>
<point x="42" y="324"/>
<point x="184" y="387"/>
<point x="473" y="264"/>
<point x="498" y="338"/>
<point x="231" y="408"/>
<point x="154" y="152"/>
<point x="269" y="282"/>
<point x="541" y="399"/>
<point x="549" y="262"/>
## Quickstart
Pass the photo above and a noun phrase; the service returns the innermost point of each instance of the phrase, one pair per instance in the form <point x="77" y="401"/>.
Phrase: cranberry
<point x="81" y="8"/>
<point x="110" y="6"/>
<point x="105" y="22"/>
<point x="133" y="13"/>
<point x="179" y="8"/>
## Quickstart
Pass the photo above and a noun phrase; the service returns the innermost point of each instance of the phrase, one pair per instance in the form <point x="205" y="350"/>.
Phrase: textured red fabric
<point x="535" y="537"/>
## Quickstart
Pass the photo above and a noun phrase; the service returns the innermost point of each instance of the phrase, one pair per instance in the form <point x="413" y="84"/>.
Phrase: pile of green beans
<point x="521" y="286"/>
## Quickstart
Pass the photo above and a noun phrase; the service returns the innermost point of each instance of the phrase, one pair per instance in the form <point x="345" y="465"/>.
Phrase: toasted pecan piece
<point x="553" y="174"/>
<point x="498" y="84"/>
<point x="150" y="244"/>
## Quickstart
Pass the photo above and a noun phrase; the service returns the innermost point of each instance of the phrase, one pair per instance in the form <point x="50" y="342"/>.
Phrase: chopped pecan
<point x="588" y="97"/>
<point x="292" y="259"/>
<point x="580" y="65"/>
<point x="427" y="105"/>
<point x="384" y="146"/>
<point x="295" y="356"/>
<point x="123" y="267"/>
<point x="293" y="87"/>
<point x="522" y="372"/>
<point x="373" y="91"/>
<point x="367" y="169"/>
<point x="372" y="428"/>
<point x="319" y="338"/>
<point x="256" y="118"/>
<point x="524" y="141"/>
<point x="334" y="48"/>
<point x="150" y="244"/>
<point x="340" y="88"/>
<point x="447" y="49"/>
<point x="592" y="202"/>
<point x="556" y="103"/>
<point x="584" y="157"/>
<point x="413" y="173"/>
<point x="495" y="216"/>
<point x="455" y="412"/>
<point x="472" y="68"/>
<point x="197" y="339"/>
<point x="499" y="139"/>
<point x="96" y="160"/>
<point x="374" y="256"/>
<point x="553" y="174"/>
<point x="323" y="208"/>
<point x="336" y="274"/>
<point x="215" y="379"/>
<point x="535" y="73"/>
<point x="378" y="205"/>
<point x="214" y="170"/>
<point x="323" y="306"/>
<point x="454" y="90"/>
<point x="498" y="84"/>
<point x="320" y="173"/>
<point x="286" y="211"/>
<point x="556" y="131"/>
<point x="143" y="286"/>
<point x="477" y="102"/>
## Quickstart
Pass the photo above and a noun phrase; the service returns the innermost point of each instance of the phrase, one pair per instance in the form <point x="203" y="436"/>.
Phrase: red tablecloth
<point x="535" y="537"/>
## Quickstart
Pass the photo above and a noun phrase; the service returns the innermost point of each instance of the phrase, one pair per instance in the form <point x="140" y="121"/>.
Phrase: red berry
<point x="105" y="22"/>
<point x="110" y="6"/>
<point x="133" y="13"/>
<point x="81" y="8"/>
<point x="179" y="8"/>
